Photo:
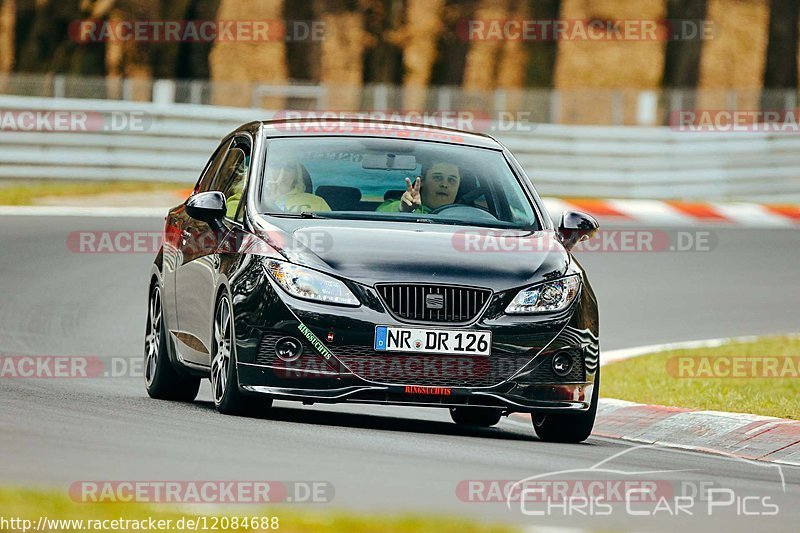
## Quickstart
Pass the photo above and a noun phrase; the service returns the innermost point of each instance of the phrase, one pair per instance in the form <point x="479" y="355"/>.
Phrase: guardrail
<point x="174" y="141"/>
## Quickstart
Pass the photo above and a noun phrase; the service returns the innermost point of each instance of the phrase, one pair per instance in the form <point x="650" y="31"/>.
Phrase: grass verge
<point x="17" y="192"/>
<point x="719" y="379"/>
<point x="29" y="504"/>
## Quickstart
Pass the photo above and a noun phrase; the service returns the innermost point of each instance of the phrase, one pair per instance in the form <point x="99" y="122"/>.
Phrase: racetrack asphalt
<point x="378" y="459"/>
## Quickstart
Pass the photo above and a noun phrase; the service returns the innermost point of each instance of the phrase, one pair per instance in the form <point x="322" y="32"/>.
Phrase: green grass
<point x="32" y="504"/>
<point x="653" y="379"/>
<point x="17" y="192"/>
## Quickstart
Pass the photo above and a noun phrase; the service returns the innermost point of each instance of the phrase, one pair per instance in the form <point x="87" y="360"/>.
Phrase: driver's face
<point x="440" y="185"/>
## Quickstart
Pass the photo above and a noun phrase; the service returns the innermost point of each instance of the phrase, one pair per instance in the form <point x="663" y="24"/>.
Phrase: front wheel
<point x="570" y="427"/>
<point x="228" y="399"/>
<point x="161" y="379"/>
<point x="475" y="416"/>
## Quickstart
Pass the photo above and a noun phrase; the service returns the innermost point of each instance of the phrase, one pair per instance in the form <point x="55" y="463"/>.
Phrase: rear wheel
<point x="160" y="377"/>
<point x="570" y="427"/>
<point x="228" y="399"/>
<point x="475" y="416"/>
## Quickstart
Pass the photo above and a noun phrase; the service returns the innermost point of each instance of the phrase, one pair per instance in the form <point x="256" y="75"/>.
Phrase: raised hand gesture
<point x="411" y="198"/>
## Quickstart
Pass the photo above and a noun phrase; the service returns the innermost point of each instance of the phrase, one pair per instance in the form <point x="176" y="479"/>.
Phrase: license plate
<point x="391" y="339"/>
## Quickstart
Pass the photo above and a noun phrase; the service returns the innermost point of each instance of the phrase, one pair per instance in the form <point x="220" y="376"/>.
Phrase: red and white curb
<point x="761" y="438"/>
<point x="625" y="212"/>
<point x="753" y="437"/>
<point x="682" y="214"/>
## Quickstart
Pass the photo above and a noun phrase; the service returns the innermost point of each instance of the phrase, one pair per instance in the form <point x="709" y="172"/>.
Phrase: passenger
<point x="438" y="187"/>
<point x="237" y="187"/>
<point x="286" y="190"/>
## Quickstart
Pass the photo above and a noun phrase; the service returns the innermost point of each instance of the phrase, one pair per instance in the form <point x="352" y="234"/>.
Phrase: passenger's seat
<point x="340" y="198"/>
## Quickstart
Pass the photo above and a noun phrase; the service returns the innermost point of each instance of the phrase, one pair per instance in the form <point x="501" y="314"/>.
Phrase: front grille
<point x="434" y="303"/>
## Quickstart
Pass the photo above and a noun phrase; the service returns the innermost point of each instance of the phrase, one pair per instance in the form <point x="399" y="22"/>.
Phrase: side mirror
<point x="576" y="227"/>
<point x="208" y="207"/>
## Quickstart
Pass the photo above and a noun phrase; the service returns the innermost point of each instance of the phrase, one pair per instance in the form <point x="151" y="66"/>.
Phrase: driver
<point x="438" y="187"/>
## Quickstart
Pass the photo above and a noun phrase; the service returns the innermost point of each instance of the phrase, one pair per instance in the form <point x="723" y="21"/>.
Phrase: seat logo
<point x="434" y="301"/>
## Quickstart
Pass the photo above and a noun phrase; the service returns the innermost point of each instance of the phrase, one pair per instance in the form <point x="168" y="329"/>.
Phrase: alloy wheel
<point x="221" y="357"/>
<point x="152" y="340"/>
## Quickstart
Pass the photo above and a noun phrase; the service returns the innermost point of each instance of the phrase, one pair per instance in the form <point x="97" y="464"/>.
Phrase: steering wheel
<point x="469" y="211"/>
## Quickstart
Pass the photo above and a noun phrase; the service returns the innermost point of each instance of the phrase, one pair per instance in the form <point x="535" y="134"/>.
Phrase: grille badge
<point x="434" y="301"/>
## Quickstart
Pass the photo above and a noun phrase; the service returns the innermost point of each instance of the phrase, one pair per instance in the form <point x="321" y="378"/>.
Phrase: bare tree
<point x="383" y="58"/>
<point x="453" y="44"/>
<point x="682" y="61"/>
<point x="236" y="64"/>
<point x="8" y="16"/>
<point x="420" y="35"/>
<point x="342" y="54"/>
<point x="541" y="62"/>
<point x="780" y="71"/>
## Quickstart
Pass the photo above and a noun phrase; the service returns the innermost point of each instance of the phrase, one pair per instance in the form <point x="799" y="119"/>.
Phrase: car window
<point x="232" y="175"/>
<point x="349" y="177"/>
<point x="210" y="171"/>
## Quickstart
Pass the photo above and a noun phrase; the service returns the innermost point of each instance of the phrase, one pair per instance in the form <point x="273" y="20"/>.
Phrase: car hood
<point x="421" y="253"/>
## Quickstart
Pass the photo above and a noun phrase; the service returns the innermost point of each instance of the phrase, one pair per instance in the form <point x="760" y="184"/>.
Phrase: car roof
<point x="359" y="127"/>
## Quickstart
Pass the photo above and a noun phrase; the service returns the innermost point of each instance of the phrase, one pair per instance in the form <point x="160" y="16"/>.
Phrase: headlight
<point x="546" y="297"/>
<point x="309" y="284"/>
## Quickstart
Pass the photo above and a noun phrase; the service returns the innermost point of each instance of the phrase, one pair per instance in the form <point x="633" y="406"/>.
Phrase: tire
<point x="161" y="379"/>
<point x="475" y="416"/>
<point x="228" y="399"/>
<point x="570" y="427"/>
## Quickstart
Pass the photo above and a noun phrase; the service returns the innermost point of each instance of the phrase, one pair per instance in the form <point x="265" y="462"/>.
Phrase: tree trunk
<point x="8" y="16"/>
<point x="192" y="61"/>
<point x="541" y="65"/>
<point x="453" y="43"/>
<point x="236" y="65"/>
<point x="383" y="60"/>
<point x="682" y="60"/>
<point x="781" y="69"/>
<point x="514" y="55"/>
<point x="421" y="34"/>
<point x="480" y="73"/>
<point x="342" y="59"/>
<point x="303" y="56"/>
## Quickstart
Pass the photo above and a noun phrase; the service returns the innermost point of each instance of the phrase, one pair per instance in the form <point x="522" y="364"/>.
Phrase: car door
<point x="197" y="276"/>
<point x="174" y="242"/>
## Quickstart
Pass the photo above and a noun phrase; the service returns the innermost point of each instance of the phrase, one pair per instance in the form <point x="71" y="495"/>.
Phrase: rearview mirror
<point x="576" y="227"/>
<point x="389" y="162"/>
<point x="208" y="207"/>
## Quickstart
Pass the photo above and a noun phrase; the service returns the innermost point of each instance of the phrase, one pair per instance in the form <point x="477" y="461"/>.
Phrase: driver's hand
<point x="411" y="198"/>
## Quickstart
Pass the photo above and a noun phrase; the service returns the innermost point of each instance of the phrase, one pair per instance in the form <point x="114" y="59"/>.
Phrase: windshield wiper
<point x="303" y="214"/>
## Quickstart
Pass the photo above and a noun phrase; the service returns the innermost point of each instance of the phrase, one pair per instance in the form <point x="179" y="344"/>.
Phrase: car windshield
<point x="393" y="180"/>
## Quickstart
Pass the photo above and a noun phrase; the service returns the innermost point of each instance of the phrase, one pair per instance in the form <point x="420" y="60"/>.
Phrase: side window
<point x="232" y="176"/>
<point x="204" y="183"/>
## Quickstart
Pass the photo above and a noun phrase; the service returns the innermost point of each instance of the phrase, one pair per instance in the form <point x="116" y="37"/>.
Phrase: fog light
<point x="562" y="364"/>
<point x="288" y="349"/>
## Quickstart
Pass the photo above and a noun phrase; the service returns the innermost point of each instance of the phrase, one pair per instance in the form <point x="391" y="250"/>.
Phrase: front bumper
<point x="338" y="363"/>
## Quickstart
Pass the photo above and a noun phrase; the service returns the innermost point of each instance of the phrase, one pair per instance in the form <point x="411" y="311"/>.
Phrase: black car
<point x="374" y="262"/>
